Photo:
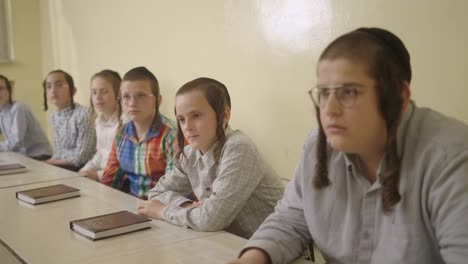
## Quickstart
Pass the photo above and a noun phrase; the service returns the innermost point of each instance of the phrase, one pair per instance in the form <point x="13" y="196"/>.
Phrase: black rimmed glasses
<point x="346" y="94"/>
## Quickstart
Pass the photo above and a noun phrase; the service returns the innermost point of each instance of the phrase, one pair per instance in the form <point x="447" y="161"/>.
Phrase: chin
<point x="339" y="145"/>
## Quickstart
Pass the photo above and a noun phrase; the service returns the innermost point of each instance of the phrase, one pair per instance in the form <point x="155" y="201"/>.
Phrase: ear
<point x="74" y="91"/>
<point x="226" y="116"/>
<point x="405" y="96"/>
<point x="159" y="100"/>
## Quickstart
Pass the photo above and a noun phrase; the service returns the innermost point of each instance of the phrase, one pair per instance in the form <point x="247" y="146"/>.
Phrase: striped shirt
<point x="22" y="131"/>
<point x="143" y="163"/>
<point x="237" y="194"/>
<point x="74" y="135"/>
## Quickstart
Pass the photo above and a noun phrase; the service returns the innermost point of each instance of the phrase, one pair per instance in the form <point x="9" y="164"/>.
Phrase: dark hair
<point x="114" y="79"/>
<point x="217" y="96"/>
<point x="8" y="86"/>
<point x="140" y="74"/>
<point x="71" y="86"/>
<point x="387" y="61"/>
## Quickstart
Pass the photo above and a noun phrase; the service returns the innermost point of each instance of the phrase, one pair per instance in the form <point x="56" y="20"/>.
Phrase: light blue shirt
<point x="22" y="131"/>
<point x="346" y="220"/>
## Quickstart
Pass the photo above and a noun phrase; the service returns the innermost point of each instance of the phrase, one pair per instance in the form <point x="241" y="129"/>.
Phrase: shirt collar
<point x="65" y="111"/>
<point x="107" y="122"/>
<point x="153" y="130"/>
<point x="6" y="108"/>
<point x="208" y="158"/>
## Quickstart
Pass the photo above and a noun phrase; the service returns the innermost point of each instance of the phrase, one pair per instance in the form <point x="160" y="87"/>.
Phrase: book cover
<point x="11" y="168"/>
<point x="110" y="225"/>
<point x="47" y="194"/>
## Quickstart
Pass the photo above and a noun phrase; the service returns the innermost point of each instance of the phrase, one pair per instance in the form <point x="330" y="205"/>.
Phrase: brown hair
<point x="388" y="62"/>
<point x="140" y="74"/>
<point x="70" y="82"/>
<point x="8" y="86"/>
<point x="217" y="96"/>
<point x="114" y="79"/>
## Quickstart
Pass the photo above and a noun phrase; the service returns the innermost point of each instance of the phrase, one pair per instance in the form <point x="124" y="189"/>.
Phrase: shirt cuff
<point x="100" y="173"/>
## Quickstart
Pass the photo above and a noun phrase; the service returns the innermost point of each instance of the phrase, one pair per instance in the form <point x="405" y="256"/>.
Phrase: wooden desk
<point x="41" y="233"/>
<point x="38" y="171"/>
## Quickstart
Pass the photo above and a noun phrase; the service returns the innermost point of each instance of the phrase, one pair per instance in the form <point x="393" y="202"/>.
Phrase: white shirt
<point x="105" y="134"/>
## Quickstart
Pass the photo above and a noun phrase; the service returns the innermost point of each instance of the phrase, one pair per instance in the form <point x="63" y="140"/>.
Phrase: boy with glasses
<point x="143" y="148"/>
<point x="381" y="180"/>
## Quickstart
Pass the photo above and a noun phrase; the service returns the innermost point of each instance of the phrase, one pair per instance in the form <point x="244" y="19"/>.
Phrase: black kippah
<point x="393" y="44"/>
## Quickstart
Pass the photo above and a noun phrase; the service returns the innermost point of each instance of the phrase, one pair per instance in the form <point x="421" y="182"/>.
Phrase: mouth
<point x="335" y="129"/>
<point x="192" y="137"/>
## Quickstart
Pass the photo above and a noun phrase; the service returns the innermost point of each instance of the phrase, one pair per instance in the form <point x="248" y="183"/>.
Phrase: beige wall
<point x="264" y="51"/>
<point x="26" y="69"/>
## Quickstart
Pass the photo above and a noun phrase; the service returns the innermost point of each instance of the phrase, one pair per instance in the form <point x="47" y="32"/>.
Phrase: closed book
<point x="11" y="168"/>
<point x="47" y="194"/>
<point x="108" y="225"/>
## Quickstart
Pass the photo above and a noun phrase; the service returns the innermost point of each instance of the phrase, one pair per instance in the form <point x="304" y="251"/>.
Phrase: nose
<point x="188" y="125"/>
<point x="332" y="106"/>
<point x="132" y="100"/>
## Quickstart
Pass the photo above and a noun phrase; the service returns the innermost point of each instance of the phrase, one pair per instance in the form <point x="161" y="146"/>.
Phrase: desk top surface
<point x="41" y="233"/>
<point x="37" y="171"/>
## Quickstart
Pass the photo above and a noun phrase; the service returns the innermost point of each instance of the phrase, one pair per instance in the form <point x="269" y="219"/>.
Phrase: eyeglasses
<point x="345" y="94"/>
<point x="138" y="98"/>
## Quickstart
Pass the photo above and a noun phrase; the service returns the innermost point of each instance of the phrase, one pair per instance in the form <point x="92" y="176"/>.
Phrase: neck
<point x="3" y="106"/>
<point x="107" y="115"/>
<point x="61" y="107"/>
<point x="369" y="165"/>
<point x="141" y="127"/>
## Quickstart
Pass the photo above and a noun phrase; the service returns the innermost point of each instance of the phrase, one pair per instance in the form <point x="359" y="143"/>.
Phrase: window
<point x="6" y="37"/>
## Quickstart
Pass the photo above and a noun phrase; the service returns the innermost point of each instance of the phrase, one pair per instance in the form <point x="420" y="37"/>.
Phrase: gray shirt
<point x="74" y="136"/>
<point x="22" y="131"/>
<point x="346" y="220"/>
<point x="238" y="194"/>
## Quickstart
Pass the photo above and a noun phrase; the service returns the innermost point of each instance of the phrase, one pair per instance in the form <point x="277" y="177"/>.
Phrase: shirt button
<point x="208" y="188"/>
<point x="366" y="235"/>
<point x="214" y="193"/>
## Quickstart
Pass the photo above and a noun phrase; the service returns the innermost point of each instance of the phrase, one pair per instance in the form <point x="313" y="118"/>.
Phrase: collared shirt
<point x="22" y="131"/>
<point x="74" y="136"/>
<point x="237" y="195"/>
<point x="105" y="134"/>
<point x="142" y="162"/>
<point x="346" y="220"/>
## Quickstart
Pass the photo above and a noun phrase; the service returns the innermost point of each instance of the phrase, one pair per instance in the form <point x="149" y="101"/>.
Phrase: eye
<point x="324" y="92"/>
<point x="349" y="91"/>
<point x="126" y="97"/>
<point x="181" y="119"/>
